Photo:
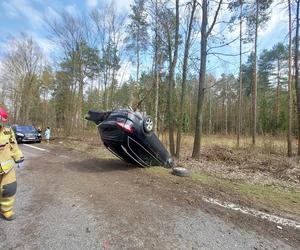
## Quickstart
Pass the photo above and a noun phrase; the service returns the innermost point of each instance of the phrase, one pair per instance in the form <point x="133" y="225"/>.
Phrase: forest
<point x="196" y="67"/>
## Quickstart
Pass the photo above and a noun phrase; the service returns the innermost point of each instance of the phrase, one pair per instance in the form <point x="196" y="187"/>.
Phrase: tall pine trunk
<point x="289" y="134"/>
<point x="156" y="70"/>
<point x="173" y="61"/>
<point x="202" y="74"/>
<point x="203" y="56"/>
<point x="254" y="80"/>
<point x="297" y="83"/>
<point x="241" y="78"/>
<point x="184" y="74"/>
<point x="138" y="55"/>
<point x="277" y="94"/>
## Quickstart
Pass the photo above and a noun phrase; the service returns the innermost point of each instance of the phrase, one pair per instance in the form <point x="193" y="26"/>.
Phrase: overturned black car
<point x="128" y="135"/>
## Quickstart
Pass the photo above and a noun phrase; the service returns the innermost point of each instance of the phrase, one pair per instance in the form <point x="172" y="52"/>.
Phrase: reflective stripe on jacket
<point x="9" y="150"/>
<point x="6" y="166"/>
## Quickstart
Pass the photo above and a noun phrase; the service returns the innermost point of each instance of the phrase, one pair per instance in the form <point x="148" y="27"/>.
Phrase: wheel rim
<point x="149" y="124"/>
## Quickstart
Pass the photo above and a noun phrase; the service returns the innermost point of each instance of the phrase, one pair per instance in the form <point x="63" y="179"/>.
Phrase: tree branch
<point x="223" y="45"/>
<point x="215" y="19"/>
<point x="224" y="54"/>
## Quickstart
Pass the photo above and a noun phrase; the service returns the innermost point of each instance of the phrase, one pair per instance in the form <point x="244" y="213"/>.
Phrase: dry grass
<point x="264" y="144"/>
<point x="265" y="163"/>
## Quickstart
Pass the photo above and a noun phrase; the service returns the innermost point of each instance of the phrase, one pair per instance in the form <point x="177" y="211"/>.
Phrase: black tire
<point x="148" y="124"/>
<point x="182" y="172"/>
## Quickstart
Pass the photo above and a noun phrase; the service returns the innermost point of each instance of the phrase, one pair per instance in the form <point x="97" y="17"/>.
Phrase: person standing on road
<point x="9" y="155"/>
<point x="48" y="134"/>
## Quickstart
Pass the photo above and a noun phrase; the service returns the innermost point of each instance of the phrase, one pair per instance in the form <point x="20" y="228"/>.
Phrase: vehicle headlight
<point x="39" y="134"/>
<point x="20" y="134"/>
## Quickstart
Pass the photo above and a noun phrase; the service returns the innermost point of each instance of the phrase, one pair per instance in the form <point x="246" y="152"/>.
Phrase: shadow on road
<point x="98" y="165"/>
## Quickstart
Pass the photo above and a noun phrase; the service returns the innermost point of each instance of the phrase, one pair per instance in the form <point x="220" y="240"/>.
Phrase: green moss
<point x="158" y="170"/>
<point x="266" y="196"/>
<point x="285" y="199"/>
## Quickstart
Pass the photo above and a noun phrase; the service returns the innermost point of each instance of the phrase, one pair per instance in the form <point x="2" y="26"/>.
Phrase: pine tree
<point x="137" y="34"/>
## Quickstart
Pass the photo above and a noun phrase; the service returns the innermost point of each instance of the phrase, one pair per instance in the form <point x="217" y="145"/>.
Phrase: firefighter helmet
<point x="3" y="115"/>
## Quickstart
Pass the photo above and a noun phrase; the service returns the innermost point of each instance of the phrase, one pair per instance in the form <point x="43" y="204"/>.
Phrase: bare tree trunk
<point x="254" y="80"/>
<point x="297" y="73"/>
<point x="156" y="70"/>
<point x="138" y="56"/>
<point x="184" y="74"/>
<point x="203" y="56"/>
<point x="277" y="94"/>
<point x="105" y="89"/>
<point x="173" y="62"/>
<point x="210" y="112"/>
<point x="156" y="100"/>
<point x="289" y="134"/>
<point x="241" y="77"/>
<point x="202" y="74"/>
<point x="226" y="108"/>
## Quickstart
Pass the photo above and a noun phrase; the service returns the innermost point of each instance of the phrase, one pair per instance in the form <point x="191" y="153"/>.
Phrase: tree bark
<point x="184" y="74"/>
<point x="173" y="62"/>
<point x="254" y="80"/>
<point x="202" y="74"/>
<point x="156" y="69"/>
<point x="277" y="94"/>
<point x="289" y="134"/>
<point x="226" y="108"/>
<point x="138" y="55"/>
<point x="297" y="83"/>
<point x="203" y="56"/>
<point x="241" y="77"/>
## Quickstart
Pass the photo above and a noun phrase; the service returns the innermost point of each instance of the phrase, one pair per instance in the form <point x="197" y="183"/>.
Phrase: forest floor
<point x="262" y="178"/>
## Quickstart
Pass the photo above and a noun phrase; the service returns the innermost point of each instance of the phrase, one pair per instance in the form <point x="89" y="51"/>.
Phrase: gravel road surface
<point x="67" y="201"/>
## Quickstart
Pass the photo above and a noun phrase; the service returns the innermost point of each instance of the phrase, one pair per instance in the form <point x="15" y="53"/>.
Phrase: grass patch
<point x="158" y="170"/>
<point x="268" y="197"/>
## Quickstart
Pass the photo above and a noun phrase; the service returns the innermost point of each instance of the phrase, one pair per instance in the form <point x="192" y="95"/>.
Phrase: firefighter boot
<point x="9" y="215"/>
<point x="8" y="188"/>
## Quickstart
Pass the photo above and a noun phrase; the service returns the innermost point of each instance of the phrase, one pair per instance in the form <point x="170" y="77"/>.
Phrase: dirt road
<point x="66" y="200"/>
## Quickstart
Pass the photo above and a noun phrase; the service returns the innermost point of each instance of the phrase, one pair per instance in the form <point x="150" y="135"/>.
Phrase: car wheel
<point x="179" y="171"/>
<point x="148" y="124"/>
<point x="169" y="163"/>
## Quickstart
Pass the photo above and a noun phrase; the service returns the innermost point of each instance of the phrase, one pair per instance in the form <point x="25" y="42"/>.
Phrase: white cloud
<point x="51" y="13"/>
<point x="278" y="18"/>
<point x="91" y="3"/>
<point x="23" y="8"/>
<point x="72" y="9"/>
<point x="46" y="45"/>
<point x="123" y="5"/>
<point x="125" y="72"/>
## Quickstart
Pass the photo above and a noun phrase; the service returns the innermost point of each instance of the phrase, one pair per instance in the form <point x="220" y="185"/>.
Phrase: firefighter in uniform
<point x="9" y="155"/>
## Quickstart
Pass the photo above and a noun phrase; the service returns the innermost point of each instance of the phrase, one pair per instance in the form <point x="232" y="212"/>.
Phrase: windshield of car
<point x="26" y="129"/>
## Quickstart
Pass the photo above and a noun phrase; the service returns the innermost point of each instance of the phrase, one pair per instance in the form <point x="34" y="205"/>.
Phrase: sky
<point x="28" y="16"/>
